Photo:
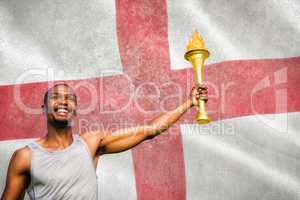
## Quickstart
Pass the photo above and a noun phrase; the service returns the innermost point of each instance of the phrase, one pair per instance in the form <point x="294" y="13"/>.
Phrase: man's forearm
<point x="165" y="120"/>
<point x="127" y="138"/>
<point x="158" y="124"/>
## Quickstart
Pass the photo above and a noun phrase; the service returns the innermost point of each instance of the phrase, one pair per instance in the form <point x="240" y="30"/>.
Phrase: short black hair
<point x="56" y="85"/>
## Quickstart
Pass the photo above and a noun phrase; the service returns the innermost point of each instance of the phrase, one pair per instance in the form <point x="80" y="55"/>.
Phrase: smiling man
<point x="61" y="165"/>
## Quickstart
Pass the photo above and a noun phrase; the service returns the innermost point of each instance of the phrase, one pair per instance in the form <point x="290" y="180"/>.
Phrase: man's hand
<point x="198" y="92"/>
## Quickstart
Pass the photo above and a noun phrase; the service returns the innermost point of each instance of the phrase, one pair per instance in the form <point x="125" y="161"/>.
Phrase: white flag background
<point x="125" y="61"/>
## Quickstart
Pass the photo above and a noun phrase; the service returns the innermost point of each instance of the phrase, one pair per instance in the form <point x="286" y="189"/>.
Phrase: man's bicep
<point x="95" y="141"/>
<point x="17" y="176"/>
<point x="123" y="139"/>
<point x="105" y="141"/>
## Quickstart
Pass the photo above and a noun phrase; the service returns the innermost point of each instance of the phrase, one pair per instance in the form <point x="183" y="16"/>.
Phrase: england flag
<point x="125" y="61"/>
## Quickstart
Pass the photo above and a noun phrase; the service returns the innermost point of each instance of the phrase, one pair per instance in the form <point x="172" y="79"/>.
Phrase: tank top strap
<point x="81" y="142"/>
<point x="76" y="137"/>
<point x="77" y="140"/>
<point x="33" y="145"/>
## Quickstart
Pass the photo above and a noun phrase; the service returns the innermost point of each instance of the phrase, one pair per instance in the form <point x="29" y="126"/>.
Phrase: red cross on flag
<point x="125" y="61"/>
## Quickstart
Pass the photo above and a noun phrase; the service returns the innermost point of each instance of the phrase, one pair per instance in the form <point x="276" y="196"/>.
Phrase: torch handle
<point x="199" y="78"/>
<point x="201" y="107"/>
<point x="198" y="62"/>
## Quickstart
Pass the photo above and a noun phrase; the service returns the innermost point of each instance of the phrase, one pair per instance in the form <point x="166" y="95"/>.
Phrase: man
<point x="61" y="165"/>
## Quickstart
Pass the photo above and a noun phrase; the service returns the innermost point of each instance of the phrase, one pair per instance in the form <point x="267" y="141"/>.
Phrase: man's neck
<point x="59" y="136"/>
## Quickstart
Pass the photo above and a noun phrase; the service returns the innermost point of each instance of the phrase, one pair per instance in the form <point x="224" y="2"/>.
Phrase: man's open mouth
<point x="61" y="110"/>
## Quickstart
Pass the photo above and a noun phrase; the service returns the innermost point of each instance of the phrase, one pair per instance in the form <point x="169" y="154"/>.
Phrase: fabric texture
<point x="64" y="174"/>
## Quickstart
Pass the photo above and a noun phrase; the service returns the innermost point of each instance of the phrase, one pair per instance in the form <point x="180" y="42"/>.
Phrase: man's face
<point x="61" y="105"/>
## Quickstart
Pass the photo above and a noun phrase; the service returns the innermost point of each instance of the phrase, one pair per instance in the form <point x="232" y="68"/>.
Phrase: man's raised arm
<point x="127" y="138"/>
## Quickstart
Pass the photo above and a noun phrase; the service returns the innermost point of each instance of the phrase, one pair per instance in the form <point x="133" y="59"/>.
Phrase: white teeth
<point x="62" y="110"/>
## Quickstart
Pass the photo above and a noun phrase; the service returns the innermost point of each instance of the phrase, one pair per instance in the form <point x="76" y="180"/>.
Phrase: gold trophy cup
<point x="196" y="54"/>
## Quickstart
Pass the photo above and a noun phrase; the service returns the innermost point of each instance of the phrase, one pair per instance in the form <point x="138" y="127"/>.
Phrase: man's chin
<point x="61" y="123"/>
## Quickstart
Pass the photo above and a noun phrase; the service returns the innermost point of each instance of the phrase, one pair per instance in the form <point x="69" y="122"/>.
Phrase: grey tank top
<point x="63" y="175"/>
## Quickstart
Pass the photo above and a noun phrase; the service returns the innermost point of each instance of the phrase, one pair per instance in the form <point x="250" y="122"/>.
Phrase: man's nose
<point x="63" y="100"/>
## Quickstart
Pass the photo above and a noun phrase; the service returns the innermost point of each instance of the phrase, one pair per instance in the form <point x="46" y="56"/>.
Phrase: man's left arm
<point x="124" y="139"/>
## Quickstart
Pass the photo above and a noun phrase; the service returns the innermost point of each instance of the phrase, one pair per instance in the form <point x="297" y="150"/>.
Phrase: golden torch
<point x="197" y="53"/>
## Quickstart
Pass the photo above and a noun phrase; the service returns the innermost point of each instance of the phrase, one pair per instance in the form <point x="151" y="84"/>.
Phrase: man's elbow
<point x="156" y="129"/>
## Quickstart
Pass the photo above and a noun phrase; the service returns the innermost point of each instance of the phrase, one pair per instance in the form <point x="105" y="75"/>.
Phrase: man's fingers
<point x="199" y="92"/>
<point x="201" y="86"/>
<point x="202" y="91"/>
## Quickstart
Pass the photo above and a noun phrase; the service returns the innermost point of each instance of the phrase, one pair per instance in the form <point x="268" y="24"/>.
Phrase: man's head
<point x="60" y="104"/>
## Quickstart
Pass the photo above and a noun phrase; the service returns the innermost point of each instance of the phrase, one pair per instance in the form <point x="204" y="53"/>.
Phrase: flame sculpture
<point x="196" y="54"/>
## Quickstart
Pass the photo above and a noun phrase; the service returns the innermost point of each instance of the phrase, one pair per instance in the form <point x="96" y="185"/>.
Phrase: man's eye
<point x="66" y="97"/>
<point x="71" y="97"/>
<point x="54" y="97"/>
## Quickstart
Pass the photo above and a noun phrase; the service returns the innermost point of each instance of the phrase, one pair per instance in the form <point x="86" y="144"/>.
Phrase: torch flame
<point x="196" y="42"/>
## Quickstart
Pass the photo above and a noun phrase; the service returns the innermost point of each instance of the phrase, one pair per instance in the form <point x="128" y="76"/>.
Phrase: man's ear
<point x="43" y="107"/>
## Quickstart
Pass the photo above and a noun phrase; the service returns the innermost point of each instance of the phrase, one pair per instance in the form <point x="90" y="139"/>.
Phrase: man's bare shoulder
<point x="21" y="159"/>
<point x="94" y="138"/>
<point x="94" y="135"/>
